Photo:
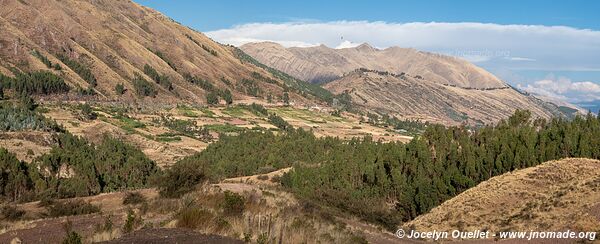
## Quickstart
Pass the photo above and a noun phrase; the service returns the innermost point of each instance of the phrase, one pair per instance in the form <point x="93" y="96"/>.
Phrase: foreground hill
<point x="415" y="98"/>
<point x="557" y="195"/>
<point x="98" y="45"/>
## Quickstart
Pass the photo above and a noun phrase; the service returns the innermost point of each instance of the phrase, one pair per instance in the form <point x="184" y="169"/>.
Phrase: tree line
<point x="36" y="82"/>
<point x="83" y="71"/>
<point x="75" y="168"/>
<point x="389" y="183"/>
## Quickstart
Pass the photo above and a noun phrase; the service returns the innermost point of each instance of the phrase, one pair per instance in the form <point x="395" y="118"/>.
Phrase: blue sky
<point x="213" y="15"/>
<point x="547" y="47"/>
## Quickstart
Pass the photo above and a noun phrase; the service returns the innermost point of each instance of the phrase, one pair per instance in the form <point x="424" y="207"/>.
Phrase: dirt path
<point x="171" y="235"/>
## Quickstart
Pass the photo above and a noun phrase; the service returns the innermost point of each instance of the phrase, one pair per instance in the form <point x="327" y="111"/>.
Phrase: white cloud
<point x="347" y="44"/>
<point x="564" y="89"/>
<point x="520" y="59"/>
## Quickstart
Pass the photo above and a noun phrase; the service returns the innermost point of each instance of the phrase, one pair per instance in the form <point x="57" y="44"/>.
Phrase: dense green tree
<point x="37" y="82"/>
<point x="286" y="98"/>
<point x="14" y="179"/>
<point x="363" y="177"/>
<point x="83" y="71"/>
<point x="76" y="168"/>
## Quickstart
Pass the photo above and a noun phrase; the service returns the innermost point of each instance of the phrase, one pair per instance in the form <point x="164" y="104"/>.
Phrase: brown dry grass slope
<point x="555" y="196"/>
<point x="433" y="87"/>
<point x="115" y="39"/>
<point x="413" y="98"/>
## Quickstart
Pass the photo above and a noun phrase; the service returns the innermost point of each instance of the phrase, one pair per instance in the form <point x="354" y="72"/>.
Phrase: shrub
<point x="131" y="222"/>
<point x="204" y="84"/>
<point x="258" y="109"/>
<point x="280" y="123"/>
<point x="133" y="198"/>
<point x="120" y="89"/>
<point x="143" y="87"/>
<point x="72" y="238"/>
<point x="180" y="179"/>
<point x="19" y="118"/>
<point x="86" y="91"/>
<point x="227" y="96"/>
<point x="11" y="213"/>
<point x="184" y="127"/>
<point x="71" y="207"/>
<point x="193" y="217"/>
<point x="212" y="98"/>
<point x="164" y="58"/>
<point x="233" y="204"/>
<point x="88" y="112"/>
<point x="42" y="58"/>
<point x="162" y="80"/>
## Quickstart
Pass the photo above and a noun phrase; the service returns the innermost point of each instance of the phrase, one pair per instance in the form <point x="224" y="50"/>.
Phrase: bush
<point x="131" y="222"/>
<point x="11" y="213"/>
<point x="86" y="91"/>
<point x="88" y="112"/>
<point x="164" y="58"/>
<point x="20" y="118"/>
<point x="72" y="238"/>
<point x="259" y="110"/>
<point x="120" y="89"/>
<point x="162" y="80"/>
<point x="280" y="123"/>
<point x="71" y="207"/>
<point x="185" y="127"/>
<point x="204" y="84"/>
<point x="42" y="58"/>
<point x="233" y="204"/>
<point x="212" y="98"/>
<point x="180" y="179"/>
<point x="133" y="198"/>
<point x="227" y="96"/>
<point x="193" y="217"/>
<point x="143" y="87"/>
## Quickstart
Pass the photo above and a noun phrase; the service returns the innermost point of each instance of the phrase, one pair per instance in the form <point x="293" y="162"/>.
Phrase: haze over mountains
<point x="405" y="82"/>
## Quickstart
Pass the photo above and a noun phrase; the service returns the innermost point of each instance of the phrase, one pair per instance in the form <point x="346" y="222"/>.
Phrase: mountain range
<point x="405" y="82"/>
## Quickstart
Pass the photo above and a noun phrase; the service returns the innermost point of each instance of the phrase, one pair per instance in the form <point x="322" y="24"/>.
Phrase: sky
<point x="550" y="48"/>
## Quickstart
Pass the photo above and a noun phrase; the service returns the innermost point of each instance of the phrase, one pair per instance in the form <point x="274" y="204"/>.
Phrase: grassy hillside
<point x="556" y="195"/>
<point x="123" y="51"/>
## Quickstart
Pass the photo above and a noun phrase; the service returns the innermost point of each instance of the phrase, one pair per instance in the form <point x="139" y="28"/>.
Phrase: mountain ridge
<point x="321" y="63"/>
<point x="115" y="40"/>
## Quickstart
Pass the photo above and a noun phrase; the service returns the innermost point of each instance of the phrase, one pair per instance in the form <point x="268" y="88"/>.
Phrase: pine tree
<point x="286" y="98"/>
